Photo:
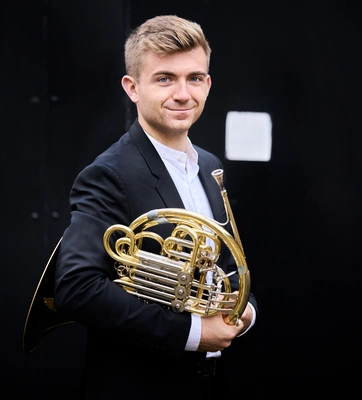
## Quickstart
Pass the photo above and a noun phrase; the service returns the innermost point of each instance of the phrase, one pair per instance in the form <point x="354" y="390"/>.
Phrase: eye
<point x="196" y="79"/>
<point x="163" y="79"/>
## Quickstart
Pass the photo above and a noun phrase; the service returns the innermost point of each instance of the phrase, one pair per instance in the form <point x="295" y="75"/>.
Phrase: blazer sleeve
<point x="84" y="287"/>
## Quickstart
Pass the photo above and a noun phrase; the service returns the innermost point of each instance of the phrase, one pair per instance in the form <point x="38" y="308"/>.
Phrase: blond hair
<point x="165" y="34"/>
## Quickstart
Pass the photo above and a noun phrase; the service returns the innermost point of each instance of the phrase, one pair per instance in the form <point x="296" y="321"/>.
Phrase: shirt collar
<point x="186" y="160"/>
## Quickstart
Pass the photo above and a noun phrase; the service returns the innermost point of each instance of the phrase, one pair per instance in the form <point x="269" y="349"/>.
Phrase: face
<point x="171" y="92"/>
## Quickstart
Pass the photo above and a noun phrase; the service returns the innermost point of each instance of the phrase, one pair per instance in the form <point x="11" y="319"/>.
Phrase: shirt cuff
<point x="252" y="321"/>
<point x="193" y="340"/>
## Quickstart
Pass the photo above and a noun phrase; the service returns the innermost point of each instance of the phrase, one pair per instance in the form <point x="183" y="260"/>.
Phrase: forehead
<point x="184" y="62"/>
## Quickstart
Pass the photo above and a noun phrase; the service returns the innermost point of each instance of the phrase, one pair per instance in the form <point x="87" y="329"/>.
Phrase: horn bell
<point x="42" y="318"/>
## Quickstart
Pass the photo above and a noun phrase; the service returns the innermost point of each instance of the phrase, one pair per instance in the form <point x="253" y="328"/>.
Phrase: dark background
<point x="299" y="215"/>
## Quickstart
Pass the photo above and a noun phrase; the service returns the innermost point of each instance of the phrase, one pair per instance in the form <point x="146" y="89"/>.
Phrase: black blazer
<point x="125" y="181"/>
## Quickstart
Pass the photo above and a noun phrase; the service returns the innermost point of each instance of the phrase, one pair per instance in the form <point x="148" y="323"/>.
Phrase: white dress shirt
<point x="184" y="169"/>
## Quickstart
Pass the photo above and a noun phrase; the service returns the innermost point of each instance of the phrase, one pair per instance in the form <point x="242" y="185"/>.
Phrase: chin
<point x="181" y="128"/>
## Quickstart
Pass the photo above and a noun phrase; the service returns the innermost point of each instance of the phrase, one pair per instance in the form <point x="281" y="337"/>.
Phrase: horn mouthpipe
<point x="218" y="174"/>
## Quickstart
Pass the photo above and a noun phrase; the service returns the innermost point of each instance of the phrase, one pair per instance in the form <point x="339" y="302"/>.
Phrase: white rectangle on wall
<point x="248" y="136"/>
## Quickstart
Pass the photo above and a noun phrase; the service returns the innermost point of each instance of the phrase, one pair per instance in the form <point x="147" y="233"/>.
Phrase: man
<point x="138" y="348"/>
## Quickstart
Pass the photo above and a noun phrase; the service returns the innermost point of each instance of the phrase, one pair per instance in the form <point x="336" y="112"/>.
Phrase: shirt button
<point x="179" y="158"/>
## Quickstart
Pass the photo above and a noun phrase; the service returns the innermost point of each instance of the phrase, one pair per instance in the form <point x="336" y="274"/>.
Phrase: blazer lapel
<point x="165" y="186"/>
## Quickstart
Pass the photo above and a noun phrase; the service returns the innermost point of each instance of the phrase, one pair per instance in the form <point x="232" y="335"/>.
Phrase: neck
<point x="174" y="140"/>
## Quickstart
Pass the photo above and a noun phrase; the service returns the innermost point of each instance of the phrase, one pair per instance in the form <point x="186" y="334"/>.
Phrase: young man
<point x="134" y="347"/>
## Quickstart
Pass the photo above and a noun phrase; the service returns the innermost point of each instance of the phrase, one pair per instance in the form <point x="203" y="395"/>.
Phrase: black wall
<point x="299" y="215"/>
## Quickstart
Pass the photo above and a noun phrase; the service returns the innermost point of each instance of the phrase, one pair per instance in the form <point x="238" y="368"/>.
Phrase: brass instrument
<point x="184" y="275"/>
<point x="42" y="318"/>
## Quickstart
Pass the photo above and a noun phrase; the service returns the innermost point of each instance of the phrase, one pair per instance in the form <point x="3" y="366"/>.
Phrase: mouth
<point x="180" y="109"/>
<point x="180" y="113"/>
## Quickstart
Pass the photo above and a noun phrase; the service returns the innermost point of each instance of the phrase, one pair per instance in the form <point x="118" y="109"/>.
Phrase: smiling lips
<point x="181" y="113"/>
<point x="180" y="109"/>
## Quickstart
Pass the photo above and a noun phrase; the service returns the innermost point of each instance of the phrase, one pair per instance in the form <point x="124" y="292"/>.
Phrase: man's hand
<point x="245" y="319"/>
<point x="217" y="335"/>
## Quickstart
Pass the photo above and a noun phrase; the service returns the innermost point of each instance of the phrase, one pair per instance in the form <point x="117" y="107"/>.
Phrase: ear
<point x="208" y="81"/>
<point x="130" y="87"/>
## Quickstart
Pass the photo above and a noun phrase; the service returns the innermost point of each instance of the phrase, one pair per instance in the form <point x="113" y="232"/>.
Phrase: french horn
<point x="183" y="276"/>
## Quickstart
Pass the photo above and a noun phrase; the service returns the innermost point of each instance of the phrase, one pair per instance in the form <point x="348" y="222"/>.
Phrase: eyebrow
<point x="169" y="73"/>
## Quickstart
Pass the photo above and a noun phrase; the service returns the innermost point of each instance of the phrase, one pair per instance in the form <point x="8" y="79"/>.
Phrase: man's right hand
<point x="216" y="334"/>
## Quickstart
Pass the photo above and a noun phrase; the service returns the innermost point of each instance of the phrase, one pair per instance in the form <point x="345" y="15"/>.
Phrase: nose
<point x="181" y="92"/>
